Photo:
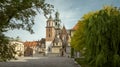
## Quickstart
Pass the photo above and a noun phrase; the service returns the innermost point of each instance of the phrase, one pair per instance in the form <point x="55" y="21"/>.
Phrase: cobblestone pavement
<point x="40" y="62"/>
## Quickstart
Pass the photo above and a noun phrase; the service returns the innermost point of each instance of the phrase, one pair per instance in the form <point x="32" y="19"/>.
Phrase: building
<point x="30" y="48"/>
<point x="41" y="46"/>
<point x="19" y="48"/>
<point x="34" y="47"/>
<point x="57" y="37"/>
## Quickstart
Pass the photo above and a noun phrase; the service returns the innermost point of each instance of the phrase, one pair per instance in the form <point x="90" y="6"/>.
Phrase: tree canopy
<point x="24" y="11"/>
<point x="19" y="14"/>
<point x="102" y="37"/>
<point x="77" y="41"/>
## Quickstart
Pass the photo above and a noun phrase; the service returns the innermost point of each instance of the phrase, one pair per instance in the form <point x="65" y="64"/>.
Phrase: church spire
<point x="57" y="20"/>
<point x="50" y="17"/>
<point x="57" y="16"/>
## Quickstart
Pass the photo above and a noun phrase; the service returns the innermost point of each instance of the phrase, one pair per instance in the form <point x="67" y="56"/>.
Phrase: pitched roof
<point x="63" y="31"/>
<point x="75" y="27"/>
<point x="30" y="43"/>
<point x="50" y="18"/>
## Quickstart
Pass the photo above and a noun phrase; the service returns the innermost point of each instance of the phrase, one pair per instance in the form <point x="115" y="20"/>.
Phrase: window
<point x="49" y="30"/>
<point x="48" y="23"/>
<point x="49" y="49"/>
<point x="56" y="23"/>
<point x="56" y="44"/>
<point x="49" y="35"/>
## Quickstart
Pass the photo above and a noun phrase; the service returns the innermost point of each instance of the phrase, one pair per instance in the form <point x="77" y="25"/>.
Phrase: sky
<point x="70" y="12"/>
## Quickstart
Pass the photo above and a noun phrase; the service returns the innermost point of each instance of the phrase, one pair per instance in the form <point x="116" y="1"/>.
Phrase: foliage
<point x="77" y="41"/>
<point x="100" y="36"/>
<point x="18" y="14"/>
<point x="72" y="52"/>
<point x="24" y="11"/>
<point x="6" y="51"/>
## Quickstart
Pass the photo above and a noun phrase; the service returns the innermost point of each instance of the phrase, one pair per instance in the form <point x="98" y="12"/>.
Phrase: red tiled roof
<point x="30" y="43"/>
<point x="75" y="27"/>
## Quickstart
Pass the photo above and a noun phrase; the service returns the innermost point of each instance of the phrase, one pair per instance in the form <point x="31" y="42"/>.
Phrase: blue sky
<point x="70" y="12"/>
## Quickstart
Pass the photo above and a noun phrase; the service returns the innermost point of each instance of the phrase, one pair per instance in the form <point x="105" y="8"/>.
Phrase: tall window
<point x="48" y="23"/>
<point x="56" y="23"/>
<point x="49" y="35"/>
<point x="49" y="30"/>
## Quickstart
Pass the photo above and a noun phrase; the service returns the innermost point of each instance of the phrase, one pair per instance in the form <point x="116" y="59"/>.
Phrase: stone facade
<point x="34" y="47"/>
<point x="30" y="48"/>
<point x="57" y="37"/>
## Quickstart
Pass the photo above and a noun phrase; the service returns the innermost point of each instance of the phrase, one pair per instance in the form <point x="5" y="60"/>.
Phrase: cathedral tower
<point x="57" y="23"/>
<point x="50" y="33"/>
<point x="50" y="29"/>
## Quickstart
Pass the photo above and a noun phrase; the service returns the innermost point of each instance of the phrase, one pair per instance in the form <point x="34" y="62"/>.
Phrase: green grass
<point x="82" y="62"/>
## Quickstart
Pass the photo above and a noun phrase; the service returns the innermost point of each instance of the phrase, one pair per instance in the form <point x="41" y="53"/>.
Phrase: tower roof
<point x="57" y="20"/>
<point x="64" y="30"/>
<point x="50" y="18"/>
<point x="57" y="16"/>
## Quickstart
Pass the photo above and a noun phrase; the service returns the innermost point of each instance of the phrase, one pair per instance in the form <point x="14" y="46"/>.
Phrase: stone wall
<point x="55" y="50"/>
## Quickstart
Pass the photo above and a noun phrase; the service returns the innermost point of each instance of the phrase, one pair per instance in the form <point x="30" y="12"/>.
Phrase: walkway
<point x="40" y="62"/>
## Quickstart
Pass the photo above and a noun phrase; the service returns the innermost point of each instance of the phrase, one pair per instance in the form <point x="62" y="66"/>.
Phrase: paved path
<point x="40" y="62"/>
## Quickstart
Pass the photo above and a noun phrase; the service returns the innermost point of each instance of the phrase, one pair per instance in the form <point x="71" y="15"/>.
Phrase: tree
<point x="24" y="11"/>
<point x="102" y="37"/>
<point x="18" y="14"/>
<point x="77" y="41"/>
<point x="6" y="50"/>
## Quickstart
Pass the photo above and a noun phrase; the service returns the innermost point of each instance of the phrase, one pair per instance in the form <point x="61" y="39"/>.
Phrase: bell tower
<point x="50" y="33"/>
<point x="57" y="23"/>
<point x="50" y="29"/>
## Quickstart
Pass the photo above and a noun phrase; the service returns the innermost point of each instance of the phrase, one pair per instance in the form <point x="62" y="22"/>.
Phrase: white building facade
<point x="19" y="48"/>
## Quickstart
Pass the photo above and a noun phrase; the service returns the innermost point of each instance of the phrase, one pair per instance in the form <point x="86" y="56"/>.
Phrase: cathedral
<point x="56" y="42"/>
<point x="57" y="37"/>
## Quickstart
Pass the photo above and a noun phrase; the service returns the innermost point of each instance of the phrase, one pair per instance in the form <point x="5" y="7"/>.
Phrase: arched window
<point x="49" y="35"/>
<point x="49" y="23"/>
<point x="49" y="30"/>
<point x="56" y="23"/>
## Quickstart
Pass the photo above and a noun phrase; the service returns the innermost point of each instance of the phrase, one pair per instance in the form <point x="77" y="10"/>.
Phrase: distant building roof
<point x="30" y="43"/>
<point x="75" y="27"/>
<point x="63" y="31"/>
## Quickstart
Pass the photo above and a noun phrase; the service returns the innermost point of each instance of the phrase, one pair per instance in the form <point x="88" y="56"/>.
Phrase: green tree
<point x="24" y="11"/>
<point x="102" y="37"/>
<point x="18" y="14"/>
<point x="77" y="41"/>
<point x="6" y="51"/>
